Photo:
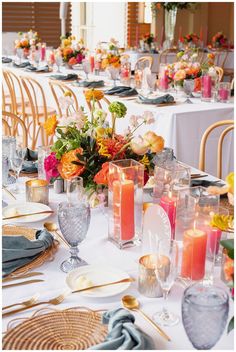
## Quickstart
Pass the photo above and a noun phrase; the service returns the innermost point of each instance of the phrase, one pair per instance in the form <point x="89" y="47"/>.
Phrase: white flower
<point x="194" y="56"/>
<point x="127" y="131"/>
<point x="133" y="120"/>
<point x="76" y="118"/>
<point x="65" y="102"/>
<point x="185" y="57"/>
<point x="212" y="72"/>
<point x="148" y="117"/>
<point x="100" y="115"/>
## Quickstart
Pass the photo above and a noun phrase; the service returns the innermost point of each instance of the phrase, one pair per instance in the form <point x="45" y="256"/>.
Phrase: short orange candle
<point x="123" y="208"/>
<point x="194" y="254"/>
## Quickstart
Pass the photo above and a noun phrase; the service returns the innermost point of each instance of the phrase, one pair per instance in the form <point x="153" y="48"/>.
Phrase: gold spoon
<point x="130" y="302"/>
<point x="52" y="227"/>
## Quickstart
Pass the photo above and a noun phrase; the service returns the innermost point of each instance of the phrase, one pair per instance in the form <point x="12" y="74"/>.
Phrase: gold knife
<point x="23" y="215"/>
<point x="5" y="189"/>
<point x="10" y="278"/>
<point x="198" y="175"/>
<point x="103" y="285"/>
<point x="22" y="283"/>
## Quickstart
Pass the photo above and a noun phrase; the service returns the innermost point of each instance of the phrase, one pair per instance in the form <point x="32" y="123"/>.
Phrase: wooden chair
<point x="230" y="124"/>
<point x="58" y="90"/>
<point x="14" y="126"/>
<point x="220" y="72"/>
<point x="220" y="60"/>
<point x="37" y="112"/>
<point x="144" y="61"/>
<point x="164" y="55"/>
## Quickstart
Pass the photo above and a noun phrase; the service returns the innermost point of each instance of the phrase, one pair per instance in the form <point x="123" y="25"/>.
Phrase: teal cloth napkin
<point x="122" y="333"/>
<point x="90" y="84"/>
<point x="18" y="251"/>
<point x="30" y="164"/>
<point x="38" y="69"/>
<point x="167" y="98"/>
<point x="117" y="90"/>
<point x="22" y="65"/>
<point x="69" y="77"/>
<point x="6" y="60"/>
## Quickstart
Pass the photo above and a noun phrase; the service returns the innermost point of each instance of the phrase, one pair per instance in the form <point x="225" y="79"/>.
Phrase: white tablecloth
<point x="96" y="249"/>
<point x="171" y="57"/>
<point x="181" y="125"/>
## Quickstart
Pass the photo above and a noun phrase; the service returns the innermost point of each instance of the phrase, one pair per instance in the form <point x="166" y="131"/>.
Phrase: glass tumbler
<point x="204" y="314"/>
<point x="5" y="169"/>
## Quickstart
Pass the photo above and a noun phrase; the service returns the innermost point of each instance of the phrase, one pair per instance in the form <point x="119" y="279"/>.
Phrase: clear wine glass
<point x="86" y="67"/>
<point x="37" y="57"/>
<point x="59" y="61"/>
<point x="114" y="72"/>
<point x="74" y="190"/>
<point x="204" y="314"/>
<point x="188" y="89"/>
<point x="16" y="160"/>
<point x="74" y="222"/>
<point x="19" y="54"/>
<point x="166" y="273"/>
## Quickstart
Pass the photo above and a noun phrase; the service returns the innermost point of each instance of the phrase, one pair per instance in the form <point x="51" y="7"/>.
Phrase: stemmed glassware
<point x="86" y="67"/>
<point x="114" y="72"/>
<point x="16" y="160"/>
<point x="58" y="61"/>
<point x="20" y="54"/>
<point x="74" y="190"/>
<point x="74" y="222"/>
<point x="37" y="57"/>
<point x="188" y="89"/>
<point x="166" y="273"/>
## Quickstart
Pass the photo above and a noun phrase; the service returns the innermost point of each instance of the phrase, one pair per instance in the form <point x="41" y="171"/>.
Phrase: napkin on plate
<point x="122" y="333"/>
<point x="6" y="60"/>
<point x="90" y="84"/>
<point x="128" y="93"/>
<point x="117" y="90"/>
<point x="69" y="77"/>
<point x="39" y="69"/>
<point x="167" y="98"/>
<point x="18" y="250"/>
<point x="30" y="163"/>
<point x="22" y="65"/>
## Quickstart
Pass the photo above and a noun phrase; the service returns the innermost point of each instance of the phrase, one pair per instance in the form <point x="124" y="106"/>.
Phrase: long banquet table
<point x="97" y="250"/>
<point x="181" y="125"/>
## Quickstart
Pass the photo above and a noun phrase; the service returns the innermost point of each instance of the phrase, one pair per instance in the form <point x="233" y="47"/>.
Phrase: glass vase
<point x="125" y="201"/>
<point x="170" y="21"/>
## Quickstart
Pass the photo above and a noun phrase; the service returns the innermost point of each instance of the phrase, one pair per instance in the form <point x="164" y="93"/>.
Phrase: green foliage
<point x="231" y="325"/>
<point x="229" y="246"/>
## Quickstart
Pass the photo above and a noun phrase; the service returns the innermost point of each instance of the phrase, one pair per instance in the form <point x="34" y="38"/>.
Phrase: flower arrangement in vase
<point x="191" y="39"/>
<point x="72" y="50"/>
<point x="85" y="145"/>
<point x="26" y="40"/>
<point x="219" y="40"/>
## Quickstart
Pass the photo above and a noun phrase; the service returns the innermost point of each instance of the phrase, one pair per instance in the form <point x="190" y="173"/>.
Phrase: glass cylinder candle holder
<point x="125" y="202"/>
<point x="163" y="78"/>
<point x="148" y="284"/>
<point x="125" y="73"/>
<point x="224" y="92"/>
<point x="206" y="88"/>
<point x="37" y="191"/>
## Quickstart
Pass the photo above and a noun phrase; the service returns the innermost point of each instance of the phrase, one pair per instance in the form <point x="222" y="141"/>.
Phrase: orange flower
<point x="67" y="168"/>
<point x="229" y="269"/>
<point x="156" y="143"/>
<point x="180" y="75"/>
<point x="197" y="84"/>
<point x="50" y="125"/>
<point x="72" y="61"/>
<point x="91" y="94"/>
<point x="67" y="51"/>
<point x="101" y="178"/>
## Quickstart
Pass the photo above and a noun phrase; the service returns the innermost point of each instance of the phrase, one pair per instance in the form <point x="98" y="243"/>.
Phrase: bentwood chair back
<point x="14" y="98"/>
<point x="220" y="72"/>
<point x="230" y="127"/>
<point x="37" y="112"/>
<point x="164" y="55"/>
<point x="58" y="90"/>
<point x="101" y="104"/>
<point x="144" y="61"/>
<point x="14" y="126"/>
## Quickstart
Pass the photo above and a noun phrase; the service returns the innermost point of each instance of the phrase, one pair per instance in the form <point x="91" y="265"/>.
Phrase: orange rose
<point x="72" y="61"/>
<point x="156" y="143"/>
<point x="180" y="75"/>
<point x="67" y="51"/>
<point x="139" y="147"/>
<point x="50" y="125"/>
<point x="101" y="178"/>
<point x="67" y="168"/>
<point x="197" y="84"/>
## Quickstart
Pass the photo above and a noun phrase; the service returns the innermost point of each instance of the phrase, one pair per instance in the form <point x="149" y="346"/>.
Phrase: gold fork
<point x="54" y="301"/>
<point x="27" y="303"/>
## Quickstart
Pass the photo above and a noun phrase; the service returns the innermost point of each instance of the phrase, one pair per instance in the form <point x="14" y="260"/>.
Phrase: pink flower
<point x="133" y="120"/>
<point x="148" y="117"/>
<point x="50" y="166"/>
<point x="79" y="58"/>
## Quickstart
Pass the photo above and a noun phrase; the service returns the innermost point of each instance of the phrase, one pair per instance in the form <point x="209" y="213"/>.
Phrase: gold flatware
<point x="52" y="227"/>
<point x="54" y="301"/>
<point x="103" y="285"/>
<point x="10" y="278"/>
<point x="130" y="302"/>
<point x="198" y="175"/>
<point x="5" y="189"/>
<point x="29" y="302"/>
<point x="23" y="215"/>
<point x="166" y="104"/>
<point x="22" y="283"/>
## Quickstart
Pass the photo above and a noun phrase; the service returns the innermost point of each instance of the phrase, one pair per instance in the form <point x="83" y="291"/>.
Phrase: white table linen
<point x="96" y="249"/>
<point x="181" y="125"/>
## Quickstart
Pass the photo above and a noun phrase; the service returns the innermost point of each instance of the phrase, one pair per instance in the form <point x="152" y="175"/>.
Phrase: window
<point x="147" y="12"/>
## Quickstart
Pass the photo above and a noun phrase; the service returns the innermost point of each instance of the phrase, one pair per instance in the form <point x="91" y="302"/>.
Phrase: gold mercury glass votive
<point x="148" y="284"/>
<point x="37" y="191"/>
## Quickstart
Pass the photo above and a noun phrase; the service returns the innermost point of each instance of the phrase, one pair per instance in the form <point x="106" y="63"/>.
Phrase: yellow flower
<point x="91" y="94"/>
<point x="230" y="181"/>
<point x="67" y="94"/>
<point x="222" y="222"/>
<point x="50" y="125"/>
<point x="101" y="131"/>
<point x="145" y="161"/>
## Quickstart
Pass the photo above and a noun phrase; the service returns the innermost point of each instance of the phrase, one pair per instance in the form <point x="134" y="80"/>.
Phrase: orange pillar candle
<point x="194" y="254"/>
<point x="123" y="209"/>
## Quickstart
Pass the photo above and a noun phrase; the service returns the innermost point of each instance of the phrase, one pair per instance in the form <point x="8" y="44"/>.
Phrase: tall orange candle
<point x="194" y="254"/>
<point x="123" y="209"/>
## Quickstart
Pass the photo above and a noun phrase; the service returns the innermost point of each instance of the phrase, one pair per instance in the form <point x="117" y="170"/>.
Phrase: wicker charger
<point x="47" y="255"/>
<point x="70" y="329"/>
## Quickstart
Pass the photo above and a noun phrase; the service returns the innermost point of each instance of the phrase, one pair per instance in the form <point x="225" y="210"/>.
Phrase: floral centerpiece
<point x="26" y="40"/>
<point x="108" y="56"/>
<point x="73" y="51"/>
<point x="191" y="39"/>
<point x="148" y="38"/>
<point x="85" y="145"/>
<point x="219" y="40"/>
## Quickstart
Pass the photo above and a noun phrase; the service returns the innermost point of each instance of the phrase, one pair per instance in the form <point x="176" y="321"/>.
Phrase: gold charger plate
<point x="47" y="255"/>
<point x="69" y="329"/>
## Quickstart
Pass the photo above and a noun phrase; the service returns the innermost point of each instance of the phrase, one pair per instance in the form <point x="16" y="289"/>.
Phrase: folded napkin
<point x="167" y="98"/>
<point x="69" y="77"/>
<point x="37" y="69"/>
<point x="30" y="164"/>
<point x="6" y="60"/>
<point x="117" y="90"/>
<point x="18" y="250"/>
<point x="22" y="65"/>
<point x="205" y="183"/>
<point x="90" y="84"/>
<point x="128" y="93"/>
<point x="122" y="333"/>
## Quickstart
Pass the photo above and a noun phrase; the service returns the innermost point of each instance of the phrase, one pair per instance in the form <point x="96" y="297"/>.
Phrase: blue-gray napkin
<point x="38" y="69"/>
<point x="117" y="89"/>
<point x="167" y="98"/>
<point x="122" y="333"/>
<point x="30" y="163"/>
<point x="128" y="93"/>
<point x="6" y="60"/>
<point x="22" y="65"/>
<point x="18" y="251"/>
<point x="90" y="84"/>
<point x="69" y="77"/>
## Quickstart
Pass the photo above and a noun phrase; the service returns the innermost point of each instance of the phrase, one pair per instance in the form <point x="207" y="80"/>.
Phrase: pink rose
<point x="50" y="166"/>
<point x="79" y="58"/>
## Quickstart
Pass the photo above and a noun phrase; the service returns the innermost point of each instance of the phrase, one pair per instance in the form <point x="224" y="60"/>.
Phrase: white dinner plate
<point x="99" y="275"/>
<point x="26" y="208"/>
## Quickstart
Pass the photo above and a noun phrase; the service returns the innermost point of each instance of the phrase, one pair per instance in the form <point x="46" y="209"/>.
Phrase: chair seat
<point x="8" y="101"/>
<point x="50" y="111"/>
